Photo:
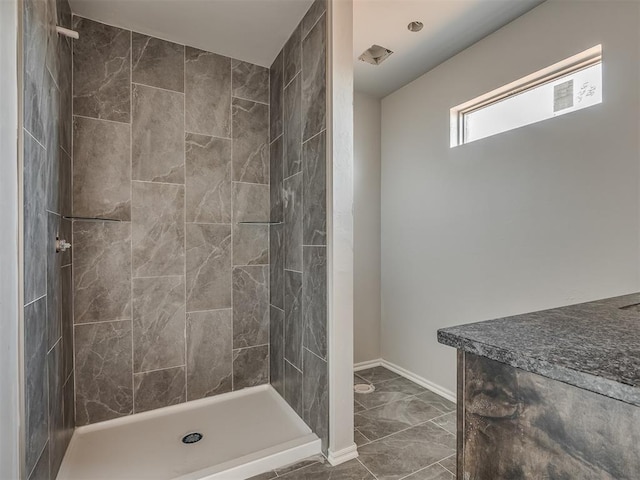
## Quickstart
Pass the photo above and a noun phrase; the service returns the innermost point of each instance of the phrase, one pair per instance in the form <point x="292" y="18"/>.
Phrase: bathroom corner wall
<point x="171" y="155"/>
<point x="48" y="332"/>
<point x="298" y="250"/>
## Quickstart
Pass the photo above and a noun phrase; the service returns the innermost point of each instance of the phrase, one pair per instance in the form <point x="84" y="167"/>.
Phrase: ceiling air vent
<point x="375" y="55"/>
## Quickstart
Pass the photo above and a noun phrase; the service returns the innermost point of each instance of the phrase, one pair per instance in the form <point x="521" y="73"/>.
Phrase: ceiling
<point x="450" y="26"/>
<point x="249" y="30"/>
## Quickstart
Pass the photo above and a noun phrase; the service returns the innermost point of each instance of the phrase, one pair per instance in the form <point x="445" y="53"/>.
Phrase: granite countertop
<point x="594" y="346"/>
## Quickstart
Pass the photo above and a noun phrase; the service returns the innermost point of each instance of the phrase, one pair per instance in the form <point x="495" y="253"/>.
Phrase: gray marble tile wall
<point x="171" y="154"/>
<point x="297" y="248"/>
<point x="48" y="332"/>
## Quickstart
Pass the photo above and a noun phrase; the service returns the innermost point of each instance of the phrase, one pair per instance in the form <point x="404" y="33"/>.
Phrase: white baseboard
<point x="423" y="382"/>
<point x="344" y="455"/>
<point x="368" y="364"/>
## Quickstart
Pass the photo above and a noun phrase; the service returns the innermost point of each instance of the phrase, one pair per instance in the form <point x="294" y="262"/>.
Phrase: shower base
<point x="244" y="433"/>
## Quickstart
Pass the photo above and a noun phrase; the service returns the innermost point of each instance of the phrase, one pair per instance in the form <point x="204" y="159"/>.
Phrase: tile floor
<point x="403" y="431"/>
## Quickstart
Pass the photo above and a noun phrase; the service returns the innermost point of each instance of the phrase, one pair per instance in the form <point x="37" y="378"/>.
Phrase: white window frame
<point x="588" y="58"/>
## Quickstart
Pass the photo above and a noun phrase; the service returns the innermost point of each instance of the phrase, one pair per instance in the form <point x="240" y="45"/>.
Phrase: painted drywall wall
<point x="9" y="393"/>
<point x="366" y="226"/>
<point x="542" y="216"/>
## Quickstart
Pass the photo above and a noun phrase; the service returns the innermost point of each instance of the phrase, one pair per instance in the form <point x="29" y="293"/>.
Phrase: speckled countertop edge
<point x="584" y="380"/>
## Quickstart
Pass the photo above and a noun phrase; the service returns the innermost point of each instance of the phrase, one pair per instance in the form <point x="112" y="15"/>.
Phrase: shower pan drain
<point x="363" y="388"/>
<point x="193" y="437"/>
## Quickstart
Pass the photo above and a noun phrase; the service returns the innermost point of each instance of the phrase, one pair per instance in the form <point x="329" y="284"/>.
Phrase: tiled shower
<point x="192" y="189"/>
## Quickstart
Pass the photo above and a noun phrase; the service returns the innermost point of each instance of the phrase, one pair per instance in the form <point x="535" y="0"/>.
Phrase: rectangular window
<point x="567" y="86"/>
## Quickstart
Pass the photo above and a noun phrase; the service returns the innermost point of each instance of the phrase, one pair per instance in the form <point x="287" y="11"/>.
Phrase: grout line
<point x="422" y="469"/>
<point x="34" y="138"/>
<point x="106" y="120"/>
<point x="133" y="384"/>
<point x="291" y="176"/>
<point x="187" y="132"/>
<point x="314" y="136"/>
<point x="248" y="100"/>
<point x="133" y="180"/>
<point x="212" y="310"/>
<point x="184" y="237"/>
<point x="157" y="276"/>
<point x="102" y="321"/>
<point x="251" y="183"/>
<point x="314" y="354"/>
<point x="34" y="301"/>
<point x="314" y="25"/>
<point x="160" y="370"/>
<point x="439" y="463"/>
<point x="287" y="361"/>
<point x="299" y="72"/>
<point x="365" y="467"/>
<point x="294" y="271"/>
<point x="157" y="88"/>
<point x="271" y="142"/>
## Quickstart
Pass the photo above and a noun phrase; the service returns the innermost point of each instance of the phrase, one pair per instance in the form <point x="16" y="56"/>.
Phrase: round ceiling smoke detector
<point x="415" y="26"/>
<point x="363" y="388"/>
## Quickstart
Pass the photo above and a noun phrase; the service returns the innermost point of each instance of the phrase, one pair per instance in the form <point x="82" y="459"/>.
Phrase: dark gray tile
<point x="293" y="326"/>
<point x="390" y="391"/>
<point x="250" y="244"/>
<point x="437" y="401"/>
<point x="249" y="81"/>
<point x="407" y="452"/>
<point x="301" y="464"/>
<point x="448" y="422"/>
<point x="250" y="202"/>
<point x="36" y="381"/>
<point x="314" y="181"/>
<point x="377" y="374"/>
<point x="292" y="124"/>
<point x="66" y="309"/>
<point x="35" y="221"/>
<point x="34" y="39"/>
<point x="52" y="60"/>
<point x="101" y="169"/>
<point x="293" y="387"/>
<point x="265" y="476"/>
<point x="66" y="100"/>
<point x="276" y="349"/>
<point x="209" y="346"/>
<point x="159" y="388"/>
<point x="104" y="369"/>
<point x="158" y="229"/>
<point x="293" y="55"/>
<point x="276" y="265"/>
<point x="351" y="470"/>
<point x="101" y="271"/>
<point x="250" y="306"/>
<point x="65" y="176"/>
<point x="41" y="469"/>
<point x="393" y="417"/>
<point x="293" y="223"/>
<point x="63" y="11"/>
<point x="432" y="472"/>
<point x="57" y="433"/>
<point x="275" y="96"/>
<point x="208" y="179"/>
<point x="315" y="400"/>
<point x="54" y="287"/>
<point x="157" y="63"/>
<point x="250" y="367"/>
<point x="207" y="93"/>
<point x="314" y="299"/>
<point x="250" y="141"/>
<point x="52" y="145"/>
<point x="450" y="463"/>
<point x="357" y="407"/>
<point x="359" y="438"/>
<point x="157" y="134"/>
<point x="208" y="267"/>
<point x="158" y="323"/>
<point x="314" y="80"/>
<point x="317" y="9"/>
<point x="69" y="408"/>
<point x="276" y="176"/>
<point x="100" y="92"/>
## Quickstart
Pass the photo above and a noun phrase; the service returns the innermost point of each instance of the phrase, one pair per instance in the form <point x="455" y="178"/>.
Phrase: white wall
<point x="9" y="399"/>
<point x="539" y="217"/>
<point x="366" y="224"/>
